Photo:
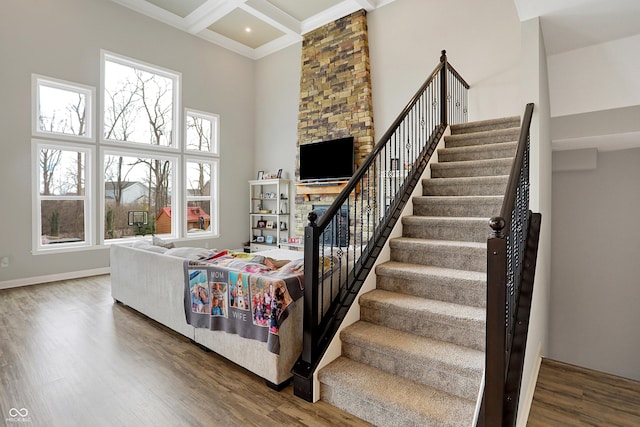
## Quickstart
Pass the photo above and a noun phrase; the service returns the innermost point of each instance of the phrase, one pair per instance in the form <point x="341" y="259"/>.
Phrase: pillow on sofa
<point x="191" y="253"/>
<point x="161" y="242"/>
<point x="144" y="244"/>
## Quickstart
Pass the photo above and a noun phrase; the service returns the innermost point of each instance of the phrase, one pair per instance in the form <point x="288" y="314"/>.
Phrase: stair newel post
<point x="495" y="353"/>
<point x="444" y="107"/>
<point x="303" y="375"/>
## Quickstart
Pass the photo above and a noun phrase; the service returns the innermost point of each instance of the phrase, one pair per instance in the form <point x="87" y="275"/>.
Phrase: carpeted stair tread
<point x="481" y="125"/>
<point x="448" y="367"/>
<point x="445" y="284"/>
<point x="409" y="271"/>
<point x="440" y="253"/>
<point x="472" y="229"/>
<point x="486" y="137"/>
<point x="410" y="348"/>
<point x="471" y="168"/>
<point x="388" y="400"/>
<point x="472" y="317"/>
<point x="478" y="152"/>
<point x="452" y="206"/>
<point x="465" y="186"/>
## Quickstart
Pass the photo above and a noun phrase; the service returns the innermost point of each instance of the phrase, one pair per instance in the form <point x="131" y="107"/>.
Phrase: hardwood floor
<point x="71" y="356"/>
<point x="567" y="395"/>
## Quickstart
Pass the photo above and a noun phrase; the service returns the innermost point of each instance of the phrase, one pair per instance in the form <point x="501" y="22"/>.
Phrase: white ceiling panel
<point x="274" y="24"/>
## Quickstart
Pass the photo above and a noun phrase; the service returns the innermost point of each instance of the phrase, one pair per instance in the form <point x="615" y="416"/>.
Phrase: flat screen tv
<point x="327" y="160"/>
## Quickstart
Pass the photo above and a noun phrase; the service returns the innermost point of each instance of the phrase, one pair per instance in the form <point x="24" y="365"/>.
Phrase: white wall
<point x="277" y="98"/>
<point x="595" y="270"/>
<point x="62" y="39"/>
<point x="535" y="88"/>
<point x="594" y="78"/>
<point x="482" y="40"/>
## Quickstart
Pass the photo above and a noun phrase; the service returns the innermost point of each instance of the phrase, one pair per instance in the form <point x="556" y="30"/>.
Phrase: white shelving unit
<point x="268" y="213"/>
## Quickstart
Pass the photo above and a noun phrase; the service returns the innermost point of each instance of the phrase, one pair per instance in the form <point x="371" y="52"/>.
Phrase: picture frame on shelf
<point x="269" y="224"/>
<point x="269" y="240"/>
<point x="261" y="224"/>
<point x="260" y="239"/>
<point x="260" y="174"/>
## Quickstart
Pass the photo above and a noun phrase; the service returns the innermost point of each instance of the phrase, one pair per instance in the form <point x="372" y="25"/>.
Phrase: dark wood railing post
<point x="495" y="356"/>
<point x="302" y="370"/>
<point x="444" y="107"/>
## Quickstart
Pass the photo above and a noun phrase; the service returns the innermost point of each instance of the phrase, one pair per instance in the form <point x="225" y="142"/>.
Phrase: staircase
<point x="416" y="357"/>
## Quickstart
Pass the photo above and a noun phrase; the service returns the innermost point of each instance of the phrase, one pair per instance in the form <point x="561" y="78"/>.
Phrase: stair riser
<point x="468" y="260"/>
<point x="426" y="325"/>
<point x="469" y="140"/>
<point x="422" y="371"/>
<point x="482" y="153"/>
<point x="436" y="288"/>
<point x="439" y="170"/>
<point x="437" y="187"/>
<point x="460" y="233"/>
<point x="465" y="208"/>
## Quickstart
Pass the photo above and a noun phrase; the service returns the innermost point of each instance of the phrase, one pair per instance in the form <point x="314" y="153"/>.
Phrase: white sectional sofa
<point x="151" y="281"/>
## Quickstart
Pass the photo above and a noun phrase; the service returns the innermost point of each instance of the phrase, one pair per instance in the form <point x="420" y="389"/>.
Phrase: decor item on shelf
<point x="269" y="224"/>
<point x="269" y="240"/>
<point x="260" y="174"/>
<point x="265" y="211"/>
<point x="260" y="239"/>
<point x="283" y="225"/>
<point x="279" y="174"/>
<point x="261" y="223"/>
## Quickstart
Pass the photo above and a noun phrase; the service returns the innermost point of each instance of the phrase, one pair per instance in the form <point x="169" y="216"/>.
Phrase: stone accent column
<point x="335" y="94"/>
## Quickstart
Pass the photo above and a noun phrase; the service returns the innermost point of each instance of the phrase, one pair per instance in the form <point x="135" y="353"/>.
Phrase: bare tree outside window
<point x="62" y="111"/>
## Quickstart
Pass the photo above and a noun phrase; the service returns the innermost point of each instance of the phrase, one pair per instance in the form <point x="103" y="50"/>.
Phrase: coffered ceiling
<point x="253" y="28"/>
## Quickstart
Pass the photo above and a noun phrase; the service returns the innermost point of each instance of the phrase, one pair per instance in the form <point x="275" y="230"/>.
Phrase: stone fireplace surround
<point x="335" y="100"/>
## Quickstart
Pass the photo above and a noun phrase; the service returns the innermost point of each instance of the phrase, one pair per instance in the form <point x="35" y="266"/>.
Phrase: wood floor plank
<point x="568" y="395"/>
<point x="73" y="357"/>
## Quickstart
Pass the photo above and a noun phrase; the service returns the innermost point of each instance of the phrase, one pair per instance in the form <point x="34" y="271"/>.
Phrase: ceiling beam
<point x="273" y="15"/>
<point x="367" y="5"/>
<point x="210" y="12"/>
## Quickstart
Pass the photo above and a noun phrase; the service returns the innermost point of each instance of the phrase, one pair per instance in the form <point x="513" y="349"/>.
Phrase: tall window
<point x="139" y="112"/>
<point x="201" y="172"/>
<point x="140" y="102"/>
<point x="144" y="170"/>
<point x="62" y="109"/>
<point x="201" y="132"/>
<point x="62" y="113"/>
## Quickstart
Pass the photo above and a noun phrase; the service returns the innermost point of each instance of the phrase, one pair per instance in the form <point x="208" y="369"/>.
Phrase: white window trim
<point x="90" y="93"/>
<point x="89" y="230"/>
<point x="106" y="55"/>
<point x="215" y="134"/>
<point x="176" y="208"/>
<point x="212" y="198"/>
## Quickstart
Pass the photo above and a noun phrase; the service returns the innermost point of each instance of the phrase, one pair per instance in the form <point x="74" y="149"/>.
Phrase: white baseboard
<point x="527" y="399"/>
<point x="53" y="278"/>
